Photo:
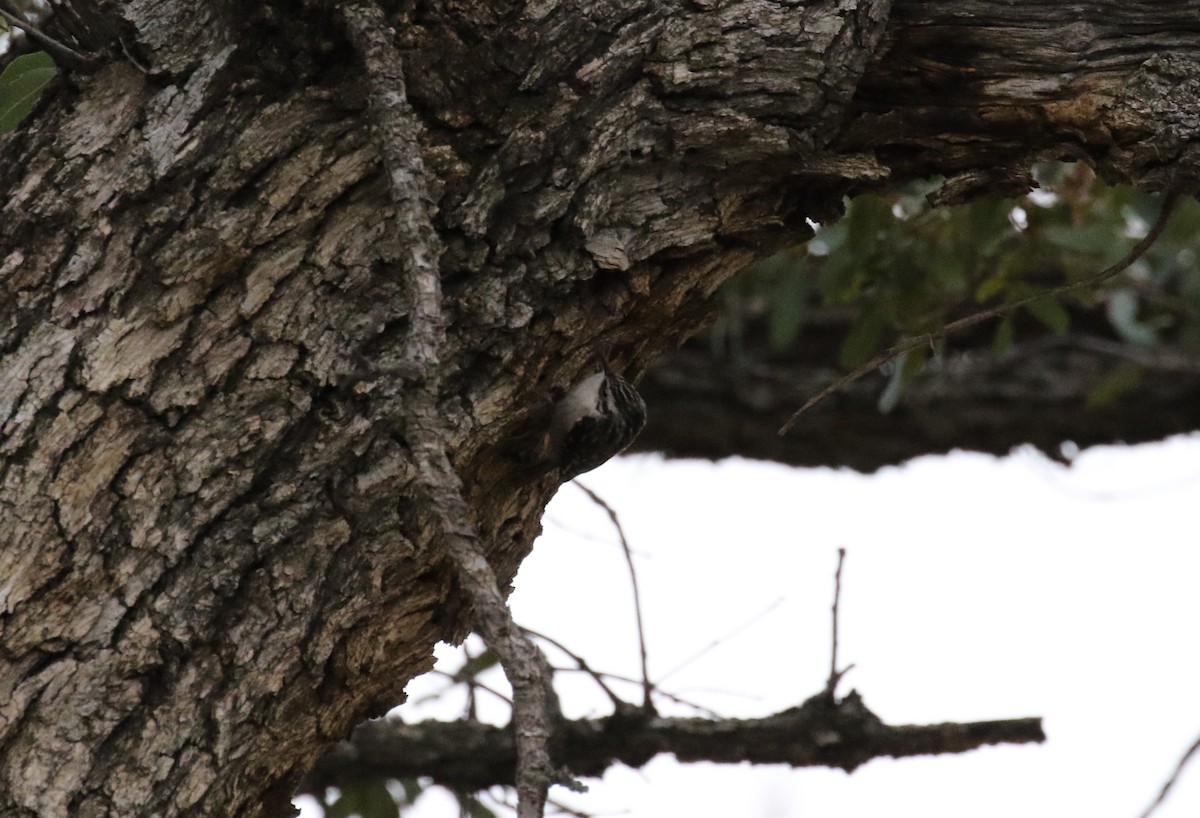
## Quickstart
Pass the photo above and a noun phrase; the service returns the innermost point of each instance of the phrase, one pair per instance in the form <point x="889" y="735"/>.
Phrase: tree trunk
<point x="212" y="563"/>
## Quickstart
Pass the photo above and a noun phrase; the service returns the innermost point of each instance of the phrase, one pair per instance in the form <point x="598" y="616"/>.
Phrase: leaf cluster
<point x="896" y="266"/>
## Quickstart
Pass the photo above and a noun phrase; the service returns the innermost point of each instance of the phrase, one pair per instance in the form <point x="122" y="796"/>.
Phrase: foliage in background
<point x="898" y="267"/>
<point x="379" y="798"/>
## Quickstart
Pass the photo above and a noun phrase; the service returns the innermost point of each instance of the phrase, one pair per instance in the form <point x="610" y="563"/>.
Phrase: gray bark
<point x="213" y="560"/>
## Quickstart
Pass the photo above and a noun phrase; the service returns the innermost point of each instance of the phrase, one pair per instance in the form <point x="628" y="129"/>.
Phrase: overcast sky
<point x="974" y="588"/>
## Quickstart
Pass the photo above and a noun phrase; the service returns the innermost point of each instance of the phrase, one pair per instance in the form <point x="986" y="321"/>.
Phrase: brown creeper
<point x="597" y="419"/>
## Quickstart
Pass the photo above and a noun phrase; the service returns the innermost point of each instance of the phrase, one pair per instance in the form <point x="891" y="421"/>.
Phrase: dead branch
<point x="821" y="732"/>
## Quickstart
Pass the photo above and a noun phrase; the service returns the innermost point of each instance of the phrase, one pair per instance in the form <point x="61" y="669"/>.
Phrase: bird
<point x="596" y="419"/>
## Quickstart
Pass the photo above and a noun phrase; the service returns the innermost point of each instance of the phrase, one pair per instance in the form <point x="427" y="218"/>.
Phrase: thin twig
<point x="720" y="640"/>
<point x="671" y="697"/>
<point x="837" y="598"/>
<point x="134" y="61"/>
<point x="647" y="687"/>
<point x="472" y="682"/>
<point x="599" y="676"/>
<point x="930" y="338"/>
<point x="1162" y="795"/>
<point x="62" y="50"/>
<point x="617" y="702"/>
<point x="836" y="675"/>
<point x="427" y="430"/>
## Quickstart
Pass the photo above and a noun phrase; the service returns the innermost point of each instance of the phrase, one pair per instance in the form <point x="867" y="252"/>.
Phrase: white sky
<point x="974" y="588"/>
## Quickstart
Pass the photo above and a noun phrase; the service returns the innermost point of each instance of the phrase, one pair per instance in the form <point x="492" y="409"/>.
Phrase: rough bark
<point x="213" y="560"/>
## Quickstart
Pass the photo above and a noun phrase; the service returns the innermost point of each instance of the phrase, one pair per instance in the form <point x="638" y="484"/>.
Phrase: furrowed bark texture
<point x="213" y="561"/>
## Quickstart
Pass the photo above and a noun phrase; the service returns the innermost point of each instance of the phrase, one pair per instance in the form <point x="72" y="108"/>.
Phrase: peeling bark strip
<point x="214" y="557"/>
<point x="472" y="756"/>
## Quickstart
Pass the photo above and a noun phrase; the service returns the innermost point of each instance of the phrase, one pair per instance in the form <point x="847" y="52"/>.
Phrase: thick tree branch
<point x="534" y="702"/>
<point x="471" y="756"/>
<point x="714" y="405"/>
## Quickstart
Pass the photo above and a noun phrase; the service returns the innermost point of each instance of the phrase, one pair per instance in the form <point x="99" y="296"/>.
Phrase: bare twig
<point x="930" y="338"/>
<point x="836" y="675"/>
<point x="1166" y="788"/>
<point x="427" y="430"/>
<point x="647" y="688"/>
<point x="721" y="640"/>
<point x="599" y="677"/>
<point x="708" y="713"/>
<point x="59" y="49"/>
<point x="617" y="702"/>
<point x="470" y="682"/>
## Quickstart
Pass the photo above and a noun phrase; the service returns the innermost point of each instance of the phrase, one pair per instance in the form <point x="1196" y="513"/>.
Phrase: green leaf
<point x="788" y="311"/>
<point x="990" y="286"/>
<point x="472" y="806"/>
<point x="914" y="362"/>
<point x="862" y="340"/>
<point x="949" y="272"/>
<point x="830" y="237"/>
<point x="1003" y="342"/>
<point x="477" y="664"/>
<point x="1124" y="378"/>
<point x="904" y="369"/>
<point x="21" y="85"/>
<point x="368" y="798"/>
<point x="895" y="387"/>
<point x="1185" y="221"/>
<point x="1097" y="239"/>
<point x="1122" y="311"/>
<point x="412" y="789"/>
<point x="1051" y="313"/>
